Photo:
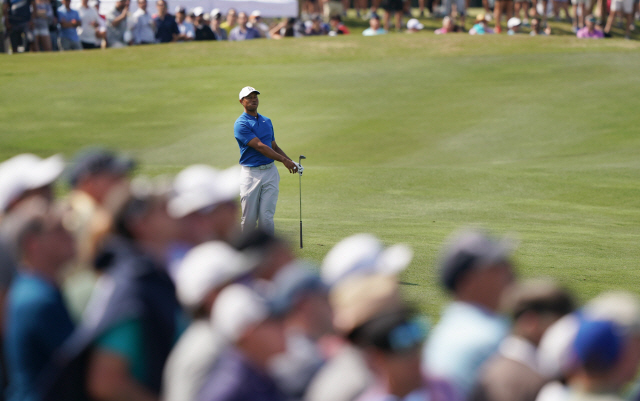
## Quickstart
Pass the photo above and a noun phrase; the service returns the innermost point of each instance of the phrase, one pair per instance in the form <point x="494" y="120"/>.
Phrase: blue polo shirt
<point x="166" y="27"/>
<point x="68" y="16"/>
<point x="245" y="129"/>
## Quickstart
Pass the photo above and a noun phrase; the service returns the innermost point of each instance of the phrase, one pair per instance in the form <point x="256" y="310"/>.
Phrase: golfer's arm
<point x="277" y="148"/>
<point x="267" y="151"/>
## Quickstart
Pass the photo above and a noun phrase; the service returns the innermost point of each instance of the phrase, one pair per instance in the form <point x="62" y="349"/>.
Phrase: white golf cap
<point x="555" y="352"/>
<point x="198" y="11"/>
<point x="256" y="13"/>
<point x="246" y="91"/>
<point x="215" y="12"/>
<point x="513" y="22"/>
<point x="207" y="267"/>
<point x="619" y="306"/>
<point x="413" y="23"/>
<point x="237" y="309"/>
<point x="24" y="172"/>
<point x="364" y="254"/>
<point x="200" y="186"/>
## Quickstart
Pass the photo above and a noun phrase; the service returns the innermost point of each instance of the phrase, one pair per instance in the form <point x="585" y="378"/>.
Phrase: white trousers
<point x="258" y="197"/>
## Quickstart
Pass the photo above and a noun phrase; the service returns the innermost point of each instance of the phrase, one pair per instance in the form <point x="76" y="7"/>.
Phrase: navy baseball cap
<point x="469" y="250"/>
<point x="98" y="160"/>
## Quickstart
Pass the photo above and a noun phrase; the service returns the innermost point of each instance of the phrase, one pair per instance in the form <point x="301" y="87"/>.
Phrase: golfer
<point x="259" y="177"/>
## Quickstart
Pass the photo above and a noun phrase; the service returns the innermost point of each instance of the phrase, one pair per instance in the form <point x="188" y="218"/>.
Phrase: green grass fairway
<point x="406" y="136"/>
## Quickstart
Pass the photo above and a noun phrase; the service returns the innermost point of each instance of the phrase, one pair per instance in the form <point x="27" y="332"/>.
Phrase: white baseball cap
<point x="256" y="13"/>
<point x="198" y="11"/>
<point x="237" y="309"/>
<point x="364" y="254"/>
<point x="513" y="22"/>
<point x="246" y="91"/>
<point x="413" y="23"/>
<point x="215" y="12"/>
<point x="207" y="267"/>
<point x="24" y="172"/>
<point x="200" y="186"/>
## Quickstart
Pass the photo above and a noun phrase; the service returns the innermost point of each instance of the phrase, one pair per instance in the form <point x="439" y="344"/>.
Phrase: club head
<point x="301" y="157"/>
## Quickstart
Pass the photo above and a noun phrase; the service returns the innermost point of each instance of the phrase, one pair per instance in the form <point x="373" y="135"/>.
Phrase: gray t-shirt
<point x="115" y="33"/>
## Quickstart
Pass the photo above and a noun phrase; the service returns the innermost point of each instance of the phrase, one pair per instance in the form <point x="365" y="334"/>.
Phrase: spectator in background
<point x="476" y="270"/>
<point x="245" y="318"/>
<point x="480" y="27"/>
<point x="37" y="321"/>
<point x="395" y="7"/>
<point x="374" y="27"/>
<point x="514" y="25"/>
<point x="413" y="26"/>
<point x="513" y="374"/>
<point x="117" y="24"/>
<point x="242" y="31"/>
<point x="625" y="10"/>
<point x="590" y="31"/>
<point x="143" y="28"/>
<point x="522" y="5"/>
<point x="447" y="27"/>
<point x="231" y="20"/>
<point x="502" y="7"/>
<point x="272" y="253"/>
<point x="216" y="18"/>
<point x="18" y="22"/>
<point x="166" y="26"/>
<point x="284" y="29"/>
<point x="42" y="18"/>
<point x="255" y="22"/>
<point x="579" y="13"/>
<point x="203" y="31"/>
<point x="536" y="29"/>
<point x="89" y="32"/>
<point x="315" y="27"/>
<point x="205" y="271"/>
<point x="337" y="27"/>
<point x="461" y="9"/>
<point x="186" y="28"/>
<point x="69" y="22"/>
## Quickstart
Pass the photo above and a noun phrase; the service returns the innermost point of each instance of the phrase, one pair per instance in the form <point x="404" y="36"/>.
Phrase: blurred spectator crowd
<point x="46" y="25"/>
<point x="137" y="288"/>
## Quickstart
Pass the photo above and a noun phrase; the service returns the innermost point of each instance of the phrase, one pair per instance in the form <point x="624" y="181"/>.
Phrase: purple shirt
<point x="235" y="379"/>
<point x="584" y="33"/>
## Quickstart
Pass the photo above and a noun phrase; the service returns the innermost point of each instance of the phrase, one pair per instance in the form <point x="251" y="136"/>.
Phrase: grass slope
<point x="407" y="136"/>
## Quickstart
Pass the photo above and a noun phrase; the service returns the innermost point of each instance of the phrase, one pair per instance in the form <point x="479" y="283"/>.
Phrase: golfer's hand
<point x="290" y="165"/>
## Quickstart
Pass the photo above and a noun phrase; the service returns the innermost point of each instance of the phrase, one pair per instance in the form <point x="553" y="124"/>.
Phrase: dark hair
<point x="397" y="331"/>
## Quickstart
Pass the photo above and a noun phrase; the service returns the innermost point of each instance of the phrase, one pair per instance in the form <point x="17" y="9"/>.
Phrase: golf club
<point x="300" y="185"/>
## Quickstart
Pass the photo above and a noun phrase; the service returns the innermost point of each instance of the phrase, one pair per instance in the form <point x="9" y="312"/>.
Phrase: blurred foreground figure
<point x="205" y="271"/>
<point x="476" y="270"/>
<point x="513" y="373"/>
<point x="37" y="320"/>
<point x="133" y="319"/>
<point x="345" y="375"/>
<point x="246" y="320"/>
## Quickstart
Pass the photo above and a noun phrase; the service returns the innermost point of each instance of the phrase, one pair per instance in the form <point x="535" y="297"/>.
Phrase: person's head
<point x="514" y="24"/>
<point x="271" y="253"/>
<point x="535" y="24"/>
<point x="205" y="271"/>
<point x="534" y="305"/>
<point x="413" y="25"/>
<point x="232" y="16"/>
<point x="590" y="22"/>
<point x="316" y="23"/>
<point x="99" y="173"/>
<point x="144" y="220"/>
<point x="161" y="5"/>
<point x="85" y="3"/>
<point x="476" y="268"/>
<point x="142" y="4"/>
<point x="42" y="243"/>
<point x="447" y="23"/>
<point x="121" y="4"/>
<point x="198" y="14"/>
<point x="249" y="99"/>
<point x="215" y="17"/>
<point x="255" y="17"/>
<point x="391" y="342"/>
<point x="25" y="176"/>
<point x="204" y="200"/>
<point x="481" y="19"/>
<point x="374" y="22"/>
<point x="242" y="19"/>
<point x="66" y="4"/>
<point x="302" y="297"/>
<point x="243" y="316"/>
<point x="335" y="20"/>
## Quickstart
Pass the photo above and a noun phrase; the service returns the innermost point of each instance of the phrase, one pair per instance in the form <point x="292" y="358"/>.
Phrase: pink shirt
<point x="584" y="33"/>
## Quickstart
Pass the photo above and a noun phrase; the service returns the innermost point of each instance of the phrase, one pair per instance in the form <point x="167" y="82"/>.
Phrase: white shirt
<point x="143" y="28"/>
<point x="86" y="31"/>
